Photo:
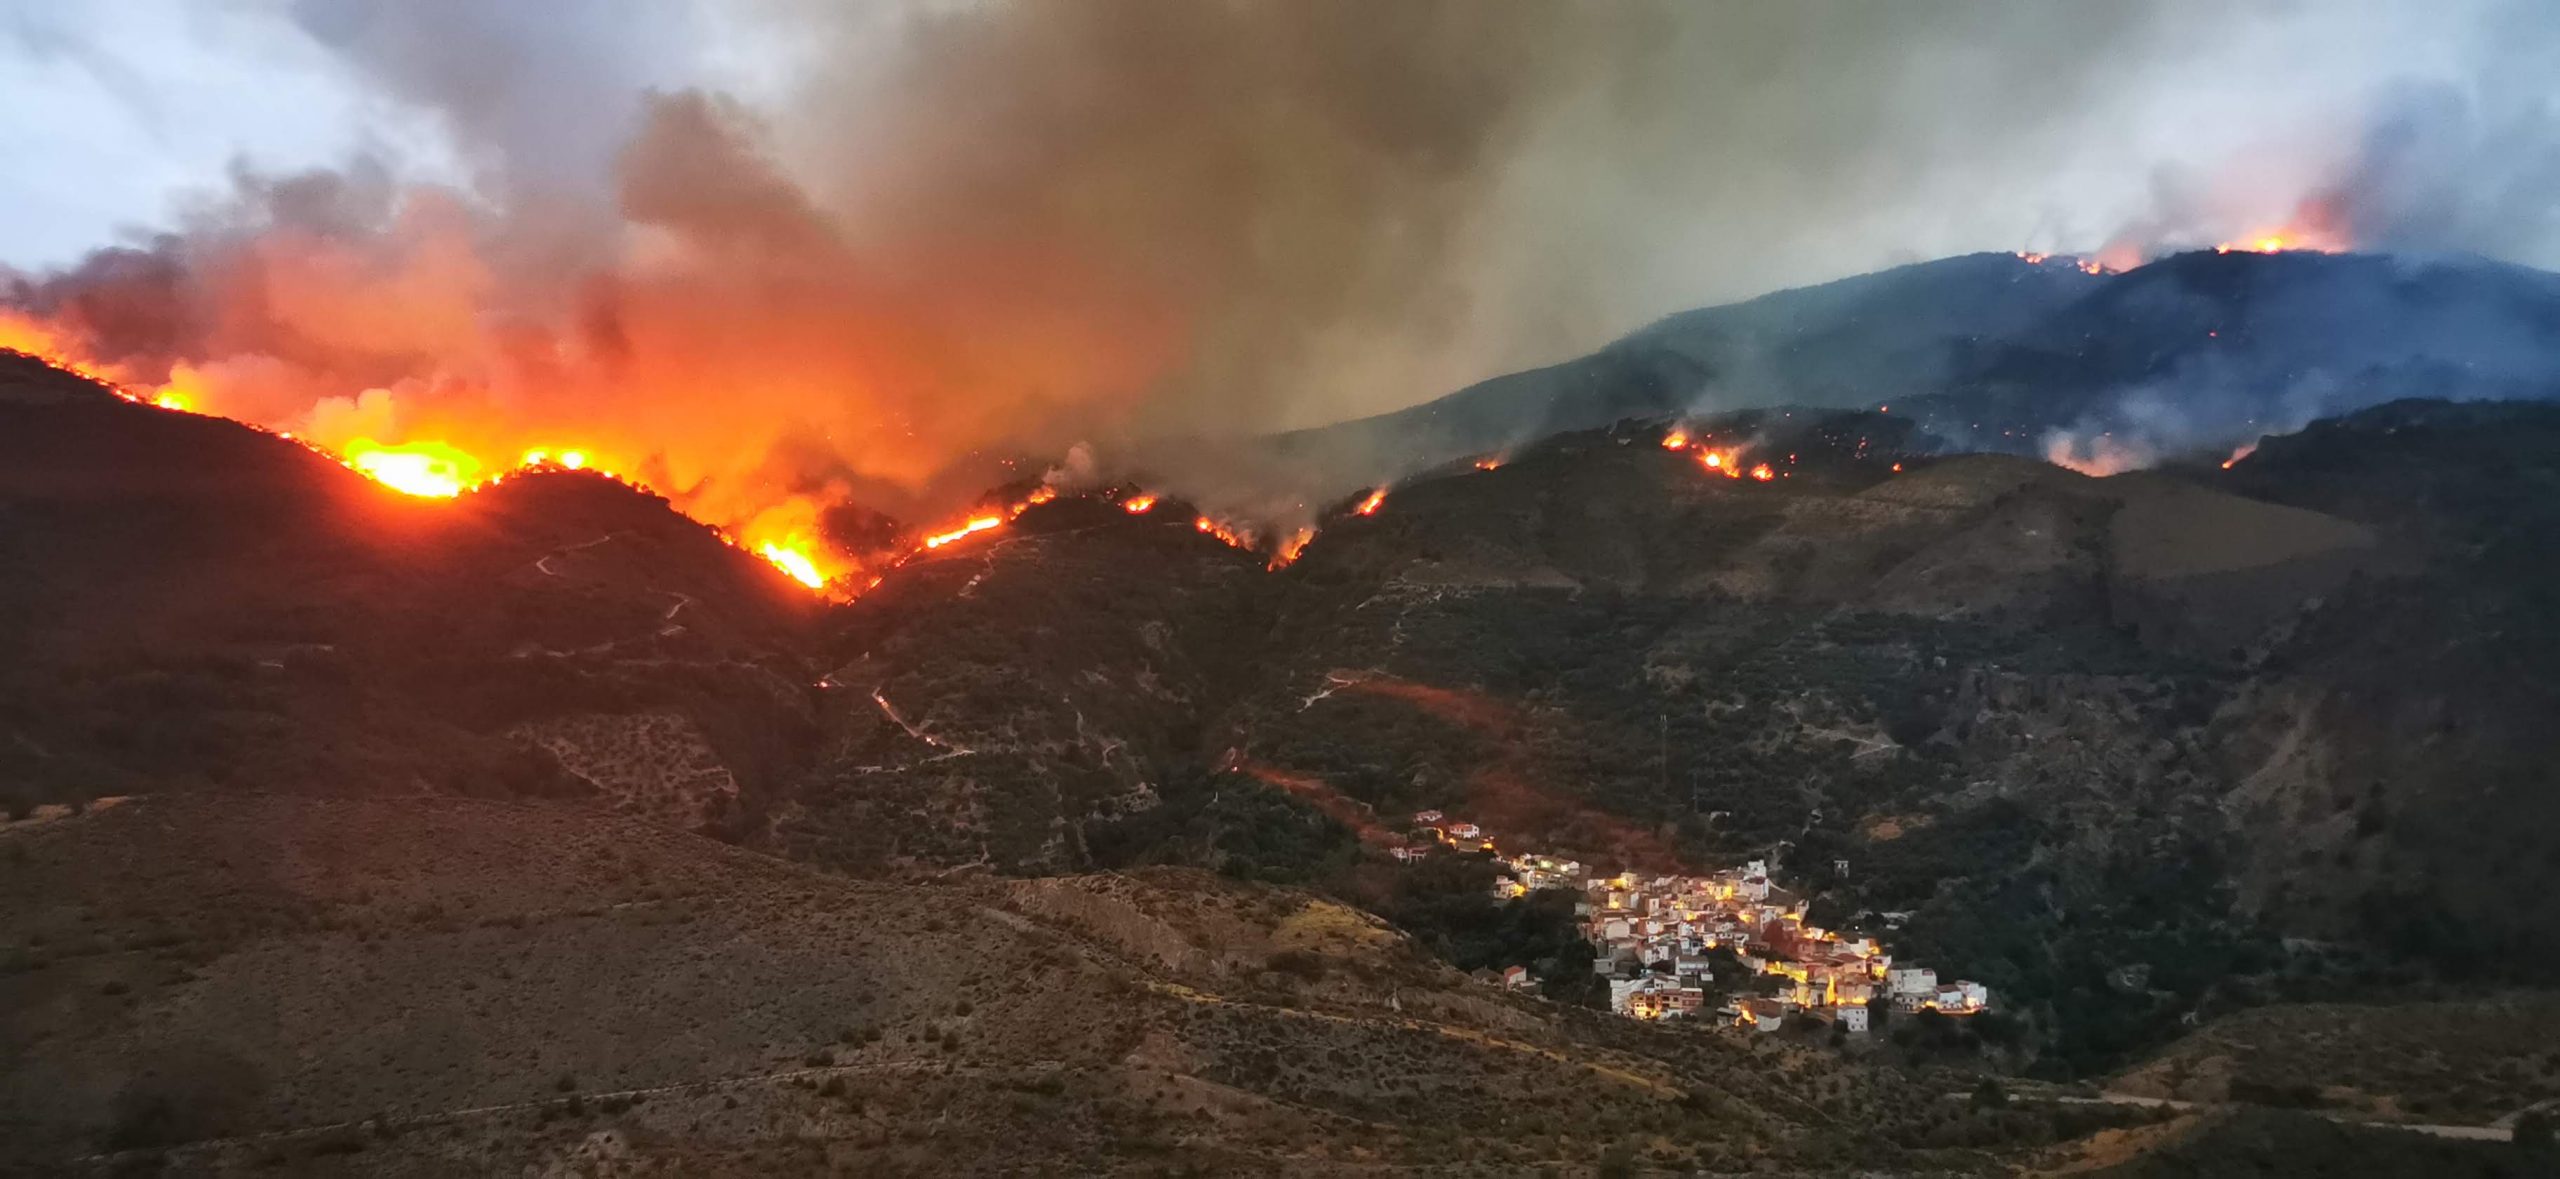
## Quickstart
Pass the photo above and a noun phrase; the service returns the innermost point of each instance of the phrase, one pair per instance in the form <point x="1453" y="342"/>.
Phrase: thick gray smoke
<point x="807" y="248"/>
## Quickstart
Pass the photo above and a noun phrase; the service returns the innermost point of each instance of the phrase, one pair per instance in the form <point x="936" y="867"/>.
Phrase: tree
<point x="1988" y="1093"/>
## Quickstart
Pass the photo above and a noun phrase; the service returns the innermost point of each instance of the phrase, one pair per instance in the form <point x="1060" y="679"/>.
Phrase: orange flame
<point x="2312" y="230"/>
<point x="430" y="469"/>
<point x="1290" y="546"/>
<point x="1370" y="506"/>
<point x="2082" y="264"/>
<point x="1138" y="505"/>
<point x="1236" y="536"/>
<point x="1676" y="440"/>
<point x="976" y="525"/>
<point x="795" y="563"/>
<point x="1491" y="462"/>
<point x="1762" y="473"/>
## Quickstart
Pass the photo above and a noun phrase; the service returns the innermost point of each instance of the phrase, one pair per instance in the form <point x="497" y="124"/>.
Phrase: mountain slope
<point x="433" y="986"/>
<point x="1857" y="341"/>
<point x="192" y="602"/>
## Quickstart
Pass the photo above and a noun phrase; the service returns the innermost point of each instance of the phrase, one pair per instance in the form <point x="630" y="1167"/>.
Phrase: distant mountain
<point x="1857" y="341"/>
<point x="2211" y="349"/>
<point x="1994" y="352"/>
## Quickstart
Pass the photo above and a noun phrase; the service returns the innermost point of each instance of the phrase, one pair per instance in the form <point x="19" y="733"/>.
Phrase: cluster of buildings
<point x="1434" y="831"/>
<point x="1656" y="940"/>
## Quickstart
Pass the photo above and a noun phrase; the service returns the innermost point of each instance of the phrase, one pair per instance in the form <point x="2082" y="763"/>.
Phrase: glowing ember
<point x="976" y="525"/>
<point x="430" y="469"/>
<point x="1370" y="506"/>
<point x="796" y="564"/>
<point x="1138" y="505"/>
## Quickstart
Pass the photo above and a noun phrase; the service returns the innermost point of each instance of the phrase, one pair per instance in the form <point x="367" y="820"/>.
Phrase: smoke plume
<point x="780" y="257"/>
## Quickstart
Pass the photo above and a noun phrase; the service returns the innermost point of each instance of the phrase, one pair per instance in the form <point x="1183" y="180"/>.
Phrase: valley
<point x="542" y="823"/>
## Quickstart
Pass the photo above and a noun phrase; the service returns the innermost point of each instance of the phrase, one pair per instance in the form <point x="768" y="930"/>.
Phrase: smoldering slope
<point x="890" y="255"/>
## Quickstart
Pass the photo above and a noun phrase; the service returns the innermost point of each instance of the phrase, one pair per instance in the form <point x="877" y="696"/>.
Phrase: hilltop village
<point x="1659" y="939"/>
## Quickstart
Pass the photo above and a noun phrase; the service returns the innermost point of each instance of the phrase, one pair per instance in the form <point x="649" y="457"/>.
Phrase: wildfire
<point x="2244" y="451"/>
<point x="1491" y="462"/>
<point x="1726" y="462"/>
<point x="1290" y="546"/>
<point x="1236" y="536"/>
<point x="2305" y="235"/>
<point x="785" y="535"/>
<point x="795" y="563"/>
<point x="430" y="469"/>
<point x="976" y="525"/>
<point x="2084" y="265"/>
<point x="575" y="460"/>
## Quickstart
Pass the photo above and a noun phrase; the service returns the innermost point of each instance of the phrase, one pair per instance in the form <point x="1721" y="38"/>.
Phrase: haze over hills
<point x="2196" y="352"/>
<point x="2134" y="750"/>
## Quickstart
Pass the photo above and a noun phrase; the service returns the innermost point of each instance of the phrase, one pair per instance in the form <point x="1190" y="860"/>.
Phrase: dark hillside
<point x="188" y="602"/>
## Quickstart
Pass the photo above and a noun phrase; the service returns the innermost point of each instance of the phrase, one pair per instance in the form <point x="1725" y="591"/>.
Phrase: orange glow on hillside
<point x="2312" y="230"/>
<point x="976" y="525"/>
<point x="1234" y="535"/>
<point x="430" y="469"/>
<point x="2082" y="264"/>
<point x="1676" y="440"/>
<point x="1138" y="505"/>
<point x="1290" y="546"/>
<point x="1369" y="506"/>
<point x="1762" y="473"/>
<point x="795" y="563"/>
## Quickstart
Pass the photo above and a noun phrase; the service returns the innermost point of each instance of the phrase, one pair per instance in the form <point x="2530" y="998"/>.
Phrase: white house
<point x="1914" y="980"/>
<point x="1854" y="1018"/>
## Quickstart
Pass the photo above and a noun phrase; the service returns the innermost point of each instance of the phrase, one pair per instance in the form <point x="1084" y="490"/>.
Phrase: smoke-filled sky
<point x="841" y="244"/>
